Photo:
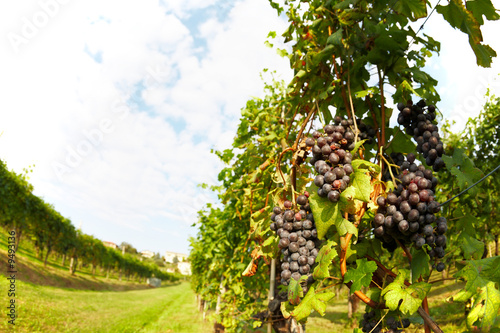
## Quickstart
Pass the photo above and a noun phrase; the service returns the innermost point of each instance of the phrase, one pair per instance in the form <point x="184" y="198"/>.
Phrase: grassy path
<point x="47" y="309"/>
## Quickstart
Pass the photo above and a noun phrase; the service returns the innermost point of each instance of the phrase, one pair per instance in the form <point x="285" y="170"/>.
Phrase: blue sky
<point x="118" y="104"/>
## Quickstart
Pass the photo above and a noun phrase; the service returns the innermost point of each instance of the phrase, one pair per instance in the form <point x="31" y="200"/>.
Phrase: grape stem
<point x="389" y="166"/>
<point x="353" y="114"/>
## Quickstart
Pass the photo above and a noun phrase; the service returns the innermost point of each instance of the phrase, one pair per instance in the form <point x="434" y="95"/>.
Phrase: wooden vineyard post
<point x="270" y="296"/>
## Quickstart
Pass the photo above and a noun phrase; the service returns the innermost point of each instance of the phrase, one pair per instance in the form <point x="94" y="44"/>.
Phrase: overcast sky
<point x="118" y="103"/>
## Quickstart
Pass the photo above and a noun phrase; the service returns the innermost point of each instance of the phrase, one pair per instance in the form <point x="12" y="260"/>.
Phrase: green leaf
<point x="401" y="142"/>
<point x="360" y="187"/>
<point x="413" y="9"/>
<point x="324" y="260"/>
<point x="295" y="290"/>
<point x="462" y="167"/>
<point x="356" y="146"/>
<point x="361" y="183"/>
<point x="481" y="276"/>
<point x="335" y="38"/>
<point x="327" y="214"/>
<point x="459" y="17"/>
<point x="480" y="8"/>
<point x="313" y="300"/>
<point x="419" y="265"/>
<point x="361" y="276"/>
<point x="471" y="246"/>
<point x="484" y="54"/>
<point x="410" y="296"/>
<point x="370" y="91"/>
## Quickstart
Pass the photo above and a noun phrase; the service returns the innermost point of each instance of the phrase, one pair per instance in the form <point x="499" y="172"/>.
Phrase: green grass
<point x="48" y="309"/>
<point x="48" y="299"/>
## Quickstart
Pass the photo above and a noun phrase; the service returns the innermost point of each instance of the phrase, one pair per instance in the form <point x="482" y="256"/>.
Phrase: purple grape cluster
<point x="408" y="213"/>
<point x="392" y="325"/>
<point x="298" y="239"/>
<point x="332" y="158"/>
<point x="419" y="121"/>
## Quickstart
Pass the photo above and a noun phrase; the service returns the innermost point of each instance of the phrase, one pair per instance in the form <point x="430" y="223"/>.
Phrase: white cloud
<point x="138" y="172"/>
<point x="462" y="84"/>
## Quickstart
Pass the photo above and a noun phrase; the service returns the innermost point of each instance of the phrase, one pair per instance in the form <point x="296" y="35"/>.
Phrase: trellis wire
<point x="468" y="188"/>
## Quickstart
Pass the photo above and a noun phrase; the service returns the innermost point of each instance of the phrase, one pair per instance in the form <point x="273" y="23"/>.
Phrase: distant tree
<point x="128" y="248"/>
<point x="175" y="260"/>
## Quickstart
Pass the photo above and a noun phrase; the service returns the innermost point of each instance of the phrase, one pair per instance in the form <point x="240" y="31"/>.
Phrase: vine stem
<point x="352" y="105"/>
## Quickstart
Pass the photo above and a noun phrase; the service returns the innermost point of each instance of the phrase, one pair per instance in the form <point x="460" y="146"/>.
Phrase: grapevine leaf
<point x="480" y="8"/>
<point x="327" y="214"/>
<point x="313" y="300"/>
<point x="419" y="265"/>
<point x="359" y="164"/>
<point x="363" y="93"/>
<point x="413" y="9"/>
<point x="481" y="276"/>
<point x="462" y="167"/>
<point x="362" y="275"/>
<point x="471" y="246"/>
<point x="286" y="309"/>
<point x="484" y="54"/>
<point x="410" y="297"/>
<point x="361" y="186"/>
<point x="295" y="291"/>
<point x="324" y="260"/>
<point x="406" y="86"/>
<point x="335" y="38"/>
<point x="459" y="17"/>
<point x="402" y="142"/>
<point x="361" y="183"/>
<point x="464" y="18"/>
<point x="356" y="147"/>
<point x="485" y="307"/>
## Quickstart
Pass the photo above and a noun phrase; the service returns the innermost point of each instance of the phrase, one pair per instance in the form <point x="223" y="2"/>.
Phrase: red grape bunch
<point x="332" y="158"/>
<point x="298" y="239"/>
<point x="419" y="121"/>
<point x="408" y="213"/>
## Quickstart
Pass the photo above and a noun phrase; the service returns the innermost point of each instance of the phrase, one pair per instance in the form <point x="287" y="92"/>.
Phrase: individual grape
<point x="403" y="226"/>
<point x="302" y="200"/>
<point x="302" y="260"/>
<point x="293" y="247"/>
<point x="440" y="267"/>
<point x="419" y="242"/>
<point x="289" y="215"/>
<point x="286" y="274"/>
<point x="304" y="269"/>
<point x="334" y="196"/>
<point x="294" y="266"/>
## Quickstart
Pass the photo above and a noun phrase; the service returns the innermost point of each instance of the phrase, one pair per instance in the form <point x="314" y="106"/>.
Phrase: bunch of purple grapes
<point x="370" y="321"/>
<point x="332" y="157"/>
<point x="408" y="213"/>
<point x="298" y="239"/>
<point x="419" y="121"/>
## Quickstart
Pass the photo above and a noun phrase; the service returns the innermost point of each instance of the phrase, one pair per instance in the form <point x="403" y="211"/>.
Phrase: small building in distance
<point x="184" y="268"/>
<point x="147" y="254"/>
<point x="110" y="244"/>
<point x="170" y="257"/>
